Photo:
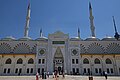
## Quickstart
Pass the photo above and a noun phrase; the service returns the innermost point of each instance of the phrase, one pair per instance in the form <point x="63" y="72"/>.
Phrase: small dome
<point x="75" y="39"/>
<point x="92" y="39"/>
<point x="42" y="39"/>
<point x="109" y="39"/>
<point x="8" y="38"/>
<point x="25" y="39"/>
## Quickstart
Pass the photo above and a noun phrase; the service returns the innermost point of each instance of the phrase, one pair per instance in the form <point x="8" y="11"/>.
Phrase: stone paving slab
<point x="67" y="77"/>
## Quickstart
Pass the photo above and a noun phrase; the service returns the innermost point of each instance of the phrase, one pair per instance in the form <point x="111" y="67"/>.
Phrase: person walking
<point x="53" y="74"/>
<point x="48" y="74"/>
<point x="37" y="76"/>
<point x="63" y="74"/>
<point x="106" y="75"/>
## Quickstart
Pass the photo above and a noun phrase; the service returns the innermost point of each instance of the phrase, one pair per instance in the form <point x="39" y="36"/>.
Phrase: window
<point x="85" y="61"/>
<point x="76" y="61"/>
<point x="30" y="61"/>
<point x="19" y="61"/>
<point x="20" y="70"/>
<point x="88" y="71"/>
<point x="42" y="51"/>
<point x="16" y="71"/>
<point x="73" y="61"/>
<point x="100" y="70"/>
<point x="84" y="70"/>
<point x="77" y="70"/>
<point x="97" y="61"/>
<point x="8" y="70"/>
<point x="5" y="70"/>
<point x="31" y="70"/>
<point x="39" y="61"/>
<point x="73" y="70"/>
<point x="42" y="70"/>
<point x="43" y="61"/>
<point x="108" y="70"/>
<point x="74" y="52"/>
<point x="111" y="70"/>
<point x="27" y="70"/>
<point x="96" y="70"/>
<point x="108" y="61"/>
<point x="8" y="61"/>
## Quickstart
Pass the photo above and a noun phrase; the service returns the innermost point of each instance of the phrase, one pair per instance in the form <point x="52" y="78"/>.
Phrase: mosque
<point x="26" y="56"/>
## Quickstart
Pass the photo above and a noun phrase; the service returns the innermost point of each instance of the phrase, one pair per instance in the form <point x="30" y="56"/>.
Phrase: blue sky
<point x="63" y="15"/>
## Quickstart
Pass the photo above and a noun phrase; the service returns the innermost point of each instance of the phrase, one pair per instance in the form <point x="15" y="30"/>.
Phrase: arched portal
<point x="58" y="61"/>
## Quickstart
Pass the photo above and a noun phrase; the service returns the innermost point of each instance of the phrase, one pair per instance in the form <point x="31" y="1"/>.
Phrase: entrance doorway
<point x="58" y="61"/>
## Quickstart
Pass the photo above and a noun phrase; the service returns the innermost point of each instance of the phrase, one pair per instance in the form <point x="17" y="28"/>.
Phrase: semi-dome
<point x="109" y="39"/>
<point x="25" y="39"/>
<point x="8" y="38"/>
<point x="92" y="39"/>
<point x="42" y="39"/>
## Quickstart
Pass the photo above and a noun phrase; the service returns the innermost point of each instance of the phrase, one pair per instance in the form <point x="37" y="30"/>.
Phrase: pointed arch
<point x="113" y="48"/>
<point x="8" y="61"/>
<point x="85" y="61"/>
<point x="21" y="48"/>
<point x="5" y="48"/>
<point x="97" y="61"/>
<point x="82" y="48"/>
<point x="108" y="61"/>
<point x="30" y="61"/>
<point x="19" y="61"/>
<point x="95" y="48"/>
<point x="58" y="53"/>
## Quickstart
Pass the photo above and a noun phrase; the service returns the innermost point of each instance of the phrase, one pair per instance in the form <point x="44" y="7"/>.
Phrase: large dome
<point x="8" y="38"/>
<point x="109" y="39"/>
<point x="25" y="39"/>
<point x="75" y="39"/>
<point x="92" y="39"/>
<point x="42" y="39"/>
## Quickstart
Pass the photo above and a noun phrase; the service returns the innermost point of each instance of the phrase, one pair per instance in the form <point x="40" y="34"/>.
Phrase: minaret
<point x="78" y="33"/>
<point x="92" y="27"/>
<point x="117" y="36"/>
<point x="27" y="21"/>
<point x="41" y="34"/>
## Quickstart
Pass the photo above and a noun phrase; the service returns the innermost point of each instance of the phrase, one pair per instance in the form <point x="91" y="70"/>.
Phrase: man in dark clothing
<point x="106" y="75"/>
<point x="42" y="75"/>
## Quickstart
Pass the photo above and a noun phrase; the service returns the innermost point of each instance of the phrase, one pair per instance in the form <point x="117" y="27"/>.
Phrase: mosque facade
<point x="59" y="52"/>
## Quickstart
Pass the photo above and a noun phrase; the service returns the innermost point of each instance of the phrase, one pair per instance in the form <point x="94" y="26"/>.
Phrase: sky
<point x="54" y="15"/>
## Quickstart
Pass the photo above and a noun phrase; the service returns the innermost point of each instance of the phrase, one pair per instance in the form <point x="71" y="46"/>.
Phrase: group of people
<point x="45" y="75"/>
<point x="56" y="74"/>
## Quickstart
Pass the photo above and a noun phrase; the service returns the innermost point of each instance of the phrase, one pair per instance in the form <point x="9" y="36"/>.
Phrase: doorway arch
<point x="58" y="61"/>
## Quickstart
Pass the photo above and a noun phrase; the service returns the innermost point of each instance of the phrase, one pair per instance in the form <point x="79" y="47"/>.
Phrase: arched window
<point x="85" y="61"/>
<point x="97" y="61"/>
<point x="108" y="61"/>
<point x="8" y="61"/>
<point x="30" y="61"/>
<point x="19" y="61"/>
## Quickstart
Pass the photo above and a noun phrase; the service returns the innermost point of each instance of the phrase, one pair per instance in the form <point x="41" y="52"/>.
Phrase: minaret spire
<point x="114" y="24"/>
<point x="92" y="27"/>
<point x="41" y="34"/>
<point x="27" y="21"/>
<point x="117" y="36"/>
<point x="78" y="33"/>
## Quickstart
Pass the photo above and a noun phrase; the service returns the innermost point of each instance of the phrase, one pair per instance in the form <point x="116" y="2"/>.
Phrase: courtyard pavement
<point x="67" y="77"/>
